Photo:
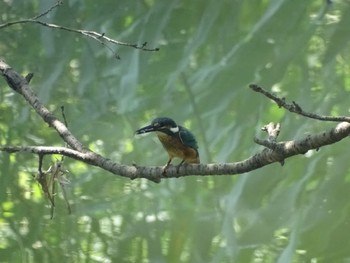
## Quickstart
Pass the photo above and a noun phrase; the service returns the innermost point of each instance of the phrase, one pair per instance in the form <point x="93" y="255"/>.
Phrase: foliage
<point x="209" y="52"/>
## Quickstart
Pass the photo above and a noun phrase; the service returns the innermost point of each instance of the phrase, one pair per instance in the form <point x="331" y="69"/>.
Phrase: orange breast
<point x="175" y="148"/>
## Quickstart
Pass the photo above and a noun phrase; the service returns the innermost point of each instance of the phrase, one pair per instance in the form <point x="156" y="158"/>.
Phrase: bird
<point x="177" y="141"/>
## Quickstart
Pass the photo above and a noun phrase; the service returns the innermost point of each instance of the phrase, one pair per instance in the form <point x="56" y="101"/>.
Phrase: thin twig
<point x="42" y="180"/>
<point x="58" y="3"/>
<point x="296" y="108"/>
<point x="64" y="116"/>
<point x="99" y="37"/>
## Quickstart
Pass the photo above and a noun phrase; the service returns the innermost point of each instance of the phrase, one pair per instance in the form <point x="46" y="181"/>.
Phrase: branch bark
<point x="274" y="151"/>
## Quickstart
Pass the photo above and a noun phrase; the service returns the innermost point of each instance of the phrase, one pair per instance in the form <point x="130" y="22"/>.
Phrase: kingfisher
<point x="177" y="140"/>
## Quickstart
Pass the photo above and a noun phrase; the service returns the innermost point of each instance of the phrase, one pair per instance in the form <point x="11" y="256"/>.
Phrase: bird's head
<point x="161" y="124"/>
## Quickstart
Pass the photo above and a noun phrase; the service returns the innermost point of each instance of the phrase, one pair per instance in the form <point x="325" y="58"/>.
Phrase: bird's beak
<point x="145" y="129"/>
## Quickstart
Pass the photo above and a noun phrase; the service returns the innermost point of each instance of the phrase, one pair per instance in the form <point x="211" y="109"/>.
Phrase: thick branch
<point x="20" y="85"/>
<point x="155" y="173"/>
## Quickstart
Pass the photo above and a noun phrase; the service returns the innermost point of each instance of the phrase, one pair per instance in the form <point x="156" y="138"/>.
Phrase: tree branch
<point x="21" y="86"/>
<point x="99" y="37"/>
<point x="275" y="151"/>
<point x="282" y="150"/>
<point x="294" y="107"/>
<point x="58" y="3"/>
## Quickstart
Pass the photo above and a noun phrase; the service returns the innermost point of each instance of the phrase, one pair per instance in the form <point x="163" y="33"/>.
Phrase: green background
<point x="210" y="51"/>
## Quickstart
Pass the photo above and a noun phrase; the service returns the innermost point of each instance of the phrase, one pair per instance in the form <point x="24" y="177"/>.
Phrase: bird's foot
<point x="178" y="167"/>
<point x="165" y="168"/>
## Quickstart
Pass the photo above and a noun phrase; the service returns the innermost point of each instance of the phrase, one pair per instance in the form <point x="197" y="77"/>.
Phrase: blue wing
<point x="187" y="138"/>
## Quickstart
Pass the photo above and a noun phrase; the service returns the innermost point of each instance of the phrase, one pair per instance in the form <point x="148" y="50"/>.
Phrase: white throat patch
<point x="174" y="129"/>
